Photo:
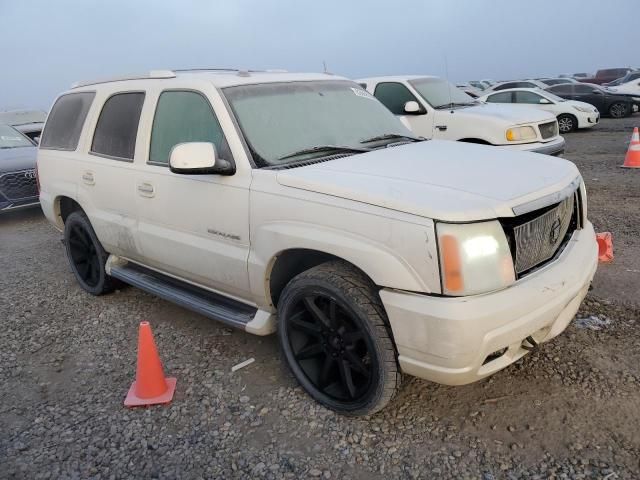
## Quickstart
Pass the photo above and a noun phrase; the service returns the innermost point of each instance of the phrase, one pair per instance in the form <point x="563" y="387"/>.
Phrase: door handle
<point x="87" y="177"/>
<point x="146" y="189"/>
<point x="442" y="128"/>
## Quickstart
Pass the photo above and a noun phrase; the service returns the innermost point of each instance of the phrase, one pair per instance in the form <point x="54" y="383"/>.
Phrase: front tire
<point x="619" y="110"/>
<point x="86" y="255"/>
<point x="567" y="123"/>
<point x="334" y="336"/>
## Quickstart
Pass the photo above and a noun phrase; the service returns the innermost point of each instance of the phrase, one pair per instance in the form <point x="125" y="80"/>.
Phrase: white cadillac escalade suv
<point x="299" y="203"/>
<point x="434" y="108"/>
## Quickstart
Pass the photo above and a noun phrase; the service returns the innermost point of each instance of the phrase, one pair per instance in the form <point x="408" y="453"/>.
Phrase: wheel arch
<point x="63" y="207"/>
<point x="381" y="268"/>
<point x="478" y="141"/>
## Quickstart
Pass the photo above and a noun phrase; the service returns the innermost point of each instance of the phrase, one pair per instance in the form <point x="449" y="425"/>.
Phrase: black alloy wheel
<point x="86" y="255"/>
<point x="618" y="110"/>
<point x="337" y="344"/>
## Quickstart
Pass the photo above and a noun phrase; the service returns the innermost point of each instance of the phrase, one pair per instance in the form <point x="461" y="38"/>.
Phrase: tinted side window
<point x="117" y="127"/>
<point x="507" y="85"/>
<point x="394" y="96"/>
<point x="183" y="116"/>
<point x="504" y="97"/>
<point x="65" y="121"/>
<point x="564" y="88"/>
<point x="527" y="97"/>
<point x="582" y="88"/>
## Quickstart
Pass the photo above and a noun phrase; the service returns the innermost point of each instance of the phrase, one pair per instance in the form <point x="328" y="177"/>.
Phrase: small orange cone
<point x="605" y="247"/>
<point x="150" y="387"/>
<point x="632" y="159"/>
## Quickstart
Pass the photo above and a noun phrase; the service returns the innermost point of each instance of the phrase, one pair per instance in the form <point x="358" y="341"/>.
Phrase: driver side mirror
<point x="544" y="101"/>
<point x="198" y="158"/>
<point x="413" y="108"/>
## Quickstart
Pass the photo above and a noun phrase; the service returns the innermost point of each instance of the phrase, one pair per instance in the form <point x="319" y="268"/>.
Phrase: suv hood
<point x="510" y="115"/>
<point x="438" y="179"/>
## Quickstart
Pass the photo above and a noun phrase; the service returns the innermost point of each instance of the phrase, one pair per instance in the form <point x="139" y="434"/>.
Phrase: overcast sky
<point x="46" y="45"/>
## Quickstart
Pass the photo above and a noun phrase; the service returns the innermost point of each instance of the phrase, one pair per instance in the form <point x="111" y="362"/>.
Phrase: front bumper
<point x="11" y="205"/>
<point x="554" y="147"/>
<point x="450" y="339"/>
<point x="587" y="120"/>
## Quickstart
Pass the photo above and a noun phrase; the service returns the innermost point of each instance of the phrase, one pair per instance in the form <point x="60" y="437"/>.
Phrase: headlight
<point x="474" y="258"/>
<point x="583" y="109"/>
<point x="517" y="134"/>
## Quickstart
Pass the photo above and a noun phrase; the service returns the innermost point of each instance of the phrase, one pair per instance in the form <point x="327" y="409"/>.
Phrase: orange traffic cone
<point x="150" y="387"/>
<point x="605" y="247"/>
<point x="632" y="160"/>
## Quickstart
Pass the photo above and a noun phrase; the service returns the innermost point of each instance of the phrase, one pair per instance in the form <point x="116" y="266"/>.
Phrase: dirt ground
<point x="571" y="409"/>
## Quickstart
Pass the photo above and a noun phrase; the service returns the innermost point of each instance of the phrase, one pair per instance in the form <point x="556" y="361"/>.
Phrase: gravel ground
<point x="568" y="410"/>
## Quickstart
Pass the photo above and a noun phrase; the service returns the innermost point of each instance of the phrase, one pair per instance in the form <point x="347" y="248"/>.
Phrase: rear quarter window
<point x="64" y="124"/>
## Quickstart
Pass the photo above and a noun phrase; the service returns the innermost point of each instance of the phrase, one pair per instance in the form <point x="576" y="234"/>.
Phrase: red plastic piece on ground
<point x="605" y="247"/>
<point x="151" y="387"/>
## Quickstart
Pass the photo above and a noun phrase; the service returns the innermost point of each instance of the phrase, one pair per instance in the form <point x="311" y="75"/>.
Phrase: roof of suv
<point x="220" y="77"/>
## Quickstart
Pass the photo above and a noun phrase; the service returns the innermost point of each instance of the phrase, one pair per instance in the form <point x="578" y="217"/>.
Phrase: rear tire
<point x="567" y="123"/>
<point x="86" y="255"/>
<point x="619" y="110"/>
<point x="335" y="338"/>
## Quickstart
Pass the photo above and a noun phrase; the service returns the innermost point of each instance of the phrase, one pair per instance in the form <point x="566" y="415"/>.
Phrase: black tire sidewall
<point x="79" y="219"/>
<point x="289" y="298"/>
<point x="623" y="105"/>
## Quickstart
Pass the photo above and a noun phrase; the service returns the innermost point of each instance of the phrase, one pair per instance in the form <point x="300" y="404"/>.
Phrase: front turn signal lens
<point x="451" y="264"/>
<point x="519" y="134"/>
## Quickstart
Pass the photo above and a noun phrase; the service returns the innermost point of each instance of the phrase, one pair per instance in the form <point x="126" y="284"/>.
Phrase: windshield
<point x="440" y="93"/>
<point x="11" y="138"/>
<point x="283" y="122"/>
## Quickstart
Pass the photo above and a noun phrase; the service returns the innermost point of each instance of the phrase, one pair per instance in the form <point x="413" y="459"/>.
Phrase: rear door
<point x="106" y="172"/>
<point x="195" y="227"/>
<point x="394" y="96"/>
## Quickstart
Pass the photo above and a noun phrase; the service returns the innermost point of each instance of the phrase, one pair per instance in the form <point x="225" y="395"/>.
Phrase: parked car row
<point x="302" y="203"/>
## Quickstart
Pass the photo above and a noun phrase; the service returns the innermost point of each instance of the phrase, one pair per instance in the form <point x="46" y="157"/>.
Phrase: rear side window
<point x="527" y="97"/>
<point x="504" y="97"/>
<point x="65" y="121"/>
<point x="394" y="96"/>
<point x="117" y="127"/>
<point x="184" y="116"/>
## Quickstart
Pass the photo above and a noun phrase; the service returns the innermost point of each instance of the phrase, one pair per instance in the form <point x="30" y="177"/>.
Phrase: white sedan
<point x="571" y="114"/>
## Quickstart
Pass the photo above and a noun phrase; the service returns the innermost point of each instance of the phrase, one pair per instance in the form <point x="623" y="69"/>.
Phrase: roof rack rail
<point x="240" y="71"/>
<point x="152" y="74"/>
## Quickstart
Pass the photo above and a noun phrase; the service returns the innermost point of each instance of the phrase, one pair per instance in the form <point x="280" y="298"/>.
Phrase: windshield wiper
<point x="391" y="136"/>
<point x="324" y="148"/>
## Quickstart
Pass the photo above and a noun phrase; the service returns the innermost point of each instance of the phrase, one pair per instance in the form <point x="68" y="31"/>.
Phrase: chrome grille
<point x="538" y="240"/>
<point x="19" y="185"/>
<point x="548" y="130"/>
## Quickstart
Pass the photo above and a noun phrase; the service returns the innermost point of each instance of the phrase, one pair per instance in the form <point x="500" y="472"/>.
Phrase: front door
<point x="195" y="227"/>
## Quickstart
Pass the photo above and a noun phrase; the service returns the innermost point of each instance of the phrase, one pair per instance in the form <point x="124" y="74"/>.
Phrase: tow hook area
<point x="529" y="343"/>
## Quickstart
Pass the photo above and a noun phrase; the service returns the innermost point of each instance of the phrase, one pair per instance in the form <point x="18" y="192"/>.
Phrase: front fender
<point x="385" y="265"/>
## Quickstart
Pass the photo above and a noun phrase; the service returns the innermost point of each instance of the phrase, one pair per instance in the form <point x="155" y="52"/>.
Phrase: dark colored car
<point x="556" y="81"/>
<point x="606" y="75"/>
<point x="627" y="78"/>
<point x="607" y="102"/>
<point x="18" y="187"/>
<point x="29" y="122"/>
